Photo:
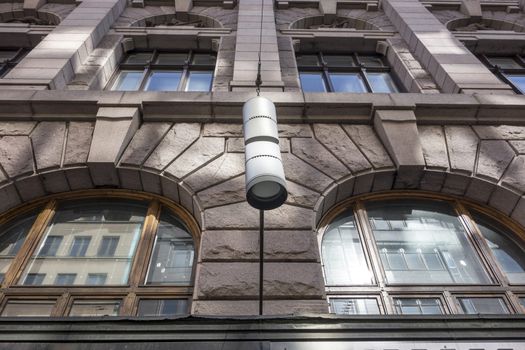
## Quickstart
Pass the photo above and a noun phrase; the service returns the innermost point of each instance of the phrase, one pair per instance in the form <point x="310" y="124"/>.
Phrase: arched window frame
<point x="129" y="294"/>
<point x="513" y="295"/>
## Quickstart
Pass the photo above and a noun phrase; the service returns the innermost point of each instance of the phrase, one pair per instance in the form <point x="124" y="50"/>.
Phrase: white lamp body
<point x="265" y="180"/>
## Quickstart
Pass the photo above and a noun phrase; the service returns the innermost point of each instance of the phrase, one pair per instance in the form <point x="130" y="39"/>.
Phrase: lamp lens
<point x="266" y="189"/>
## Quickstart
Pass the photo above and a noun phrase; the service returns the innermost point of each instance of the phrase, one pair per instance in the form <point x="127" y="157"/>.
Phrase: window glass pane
<point x="204" y="59"/>
<point x="339" y="60"/>
<point x="423" y="242"/>
<point x="312" y="82"/>
<point x="95" y="308"/>
<point x="65" y="279"/>
<point x="510" y="257"/>
<point x="505" y="62"/>
<point x="29" y="308"/>
<point x="12" y="236"/>
<point x="114" y="228"/>
<point x="343" y="256"/>
<point x="80" y="245"/>
<point x="172" y="258"/>
<point x="178" y="59"/>
<point x="7" y="55"/>
<point x="199" y="81"/>
<point x="483" y="306"/>
<point x="128" y="81"/>
<point x="354" y="306"/>
<point x="96" y="279"/>
<point x="141" y="58"/>
<point x="163" y="81"/>
<point x="522" y="302"/>
<point x="414" y="306"/>
<point x="371" y="61"/>
<point x="381" y="82"/>
<point x="307" y="61"/>
<point x="163" y="307"/>
<point x="347" y="82"/>
<point x="518" y="81"/>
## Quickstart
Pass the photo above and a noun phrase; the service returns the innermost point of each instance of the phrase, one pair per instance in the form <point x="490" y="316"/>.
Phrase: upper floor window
<point x="345" y="73"/>
<point x="165" y="71"/>
<point x="9" y="58"/>
<point x="510" y="69"/>
<point x="421" y="256"/>
<point x="80" y="245"/>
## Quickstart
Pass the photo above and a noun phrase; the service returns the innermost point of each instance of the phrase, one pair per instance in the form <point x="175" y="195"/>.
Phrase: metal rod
<point x="261" y="260"/>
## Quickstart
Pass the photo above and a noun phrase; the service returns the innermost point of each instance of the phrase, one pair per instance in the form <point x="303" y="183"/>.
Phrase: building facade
<point x="123" y="216"/>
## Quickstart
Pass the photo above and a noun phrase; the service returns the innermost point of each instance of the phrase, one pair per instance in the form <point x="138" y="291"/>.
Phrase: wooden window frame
<point x="448" y="293"/>
<point x="128" y="293"/>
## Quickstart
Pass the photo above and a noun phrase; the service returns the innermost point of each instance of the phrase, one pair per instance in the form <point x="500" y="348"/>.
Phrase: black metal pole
<point x="261" y="260"/>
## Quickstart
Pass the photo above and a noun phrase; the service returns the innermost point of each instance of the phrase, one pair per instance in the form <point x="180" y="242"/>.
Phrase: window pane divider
<point x="31" y="242"/>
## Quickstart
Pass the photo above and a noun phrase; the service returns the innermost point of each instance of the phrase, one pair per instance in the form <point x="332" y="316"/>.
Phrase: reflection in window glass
<point x="339" y="60"/>
<point x="343" y="257"/>
<point x="354" y="306"/>
<point x="199" y="81"/>
<point x="204" y="59"/>
<point x="312" y="82"/>
<point x="128" y="80"/>
<point x="493" y="306"/>
<point x="418" y="306"/>
<point x="307" y="61"/>
<point x="381" y="82"/>
<point x="371" y="61"/>
<point x="423" y="242"/>
<point x="34" y="279"/>
<point x="114" y="227"/>
<point x="163" y="81"/>
<point x="172" y="58"/>
<point x="96" y="279"/>
<point x="172" y="258"/>
<point x="518" y="81"/>
<point x="12" y="236"/>
<point x="80" y="245"/>
<point x="162" y="307"/>
<point x="510" y="257"/>
<point x="347" y="82"/>
<point x="28" y="308"/>
<point x="140" y="58"/>
<point x="95" y="308"/>
<point x="504" y="62"/>
<point x="65" y="279"/>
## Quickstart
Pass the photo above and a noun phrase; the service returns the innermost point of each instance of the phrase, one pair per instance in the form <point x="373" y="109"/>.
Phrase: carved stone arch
<point x="315" y="22"/>
<point x="48" y="14"/>
<point x="25" y="189"/>
<point x="168" y="20"/>
<point x="467" y="24"/>
<point x="486" y="192"/>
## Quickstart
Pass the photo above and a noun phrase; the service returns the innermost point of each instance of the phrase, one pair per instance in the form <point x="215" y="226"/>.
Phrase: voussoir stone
<point x="434" y="146"/>
<point x="337" y="141"/>
<point x="514" y="177"/>
<point x="13" y="128"/>
<point x="314" y="153"/>
<point x="501" y="132"/>
<point x="519" y="146"/>
<point x="301" y="195"/>
<point x="284" y="217"/>
<point x="48" y="144"/>
<point x="78" y="142"/>
<point x="231" y="191"/>
<point x="143" y="142"/>
<point x="462" y="146"/>
<point x="198" y="154"/>
<point x="16" y="156"/>
<point x="366" y="139"/>
<point x="295" y="130"/>
<point x="300" y="172"/>
<point x="494" y="157"/>
<point x="173" y="144"/>
<point x="222" y="130"/>
<point x="227" y="166"/>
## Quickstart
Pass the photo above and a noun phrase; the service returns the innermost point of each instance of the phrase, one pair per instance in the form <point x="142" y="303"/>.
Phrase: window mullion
<point x="61" y="305"/>
<point x="33" y="238"/>
<point x="481" y="245"/>
<point x="128" y="305"/>
<point x="145" y="246"/>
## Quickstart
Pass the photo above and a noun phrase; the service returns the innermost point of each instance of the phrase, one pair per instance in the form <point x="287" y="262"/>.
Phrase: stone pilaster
<point x="452" y="65"/>
<point x="249" y="37"/>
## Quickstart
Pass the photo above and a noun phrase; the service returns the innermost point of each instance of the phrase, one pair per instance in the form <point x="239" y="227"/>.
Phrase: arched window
<point x="101" y="254"/>
<point x="418" y="254"/>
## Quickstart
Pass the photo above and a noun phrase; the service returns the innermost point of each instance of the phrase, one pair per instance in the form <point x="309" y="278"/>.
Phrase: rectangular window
<point x="354" y="306"/>
<point x="9" y="58"/>
<point x="34" y="279"/>
<point x="51" y="245"/>
<point x="162" y="307"/>
<point x="80" y="245"/>
<point x="509" y="69"/>
<point x="345" y="73"/>
<point x="28" y="308"/>
<point x="65" y="279"/>
<point x="418" y="306"/>
<point x="165" y="71"/>
<point x="108" y="246"/>
<point x="95" y="308"/>
<point x="493" y="306"/>
<point x="96" y="279"/>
